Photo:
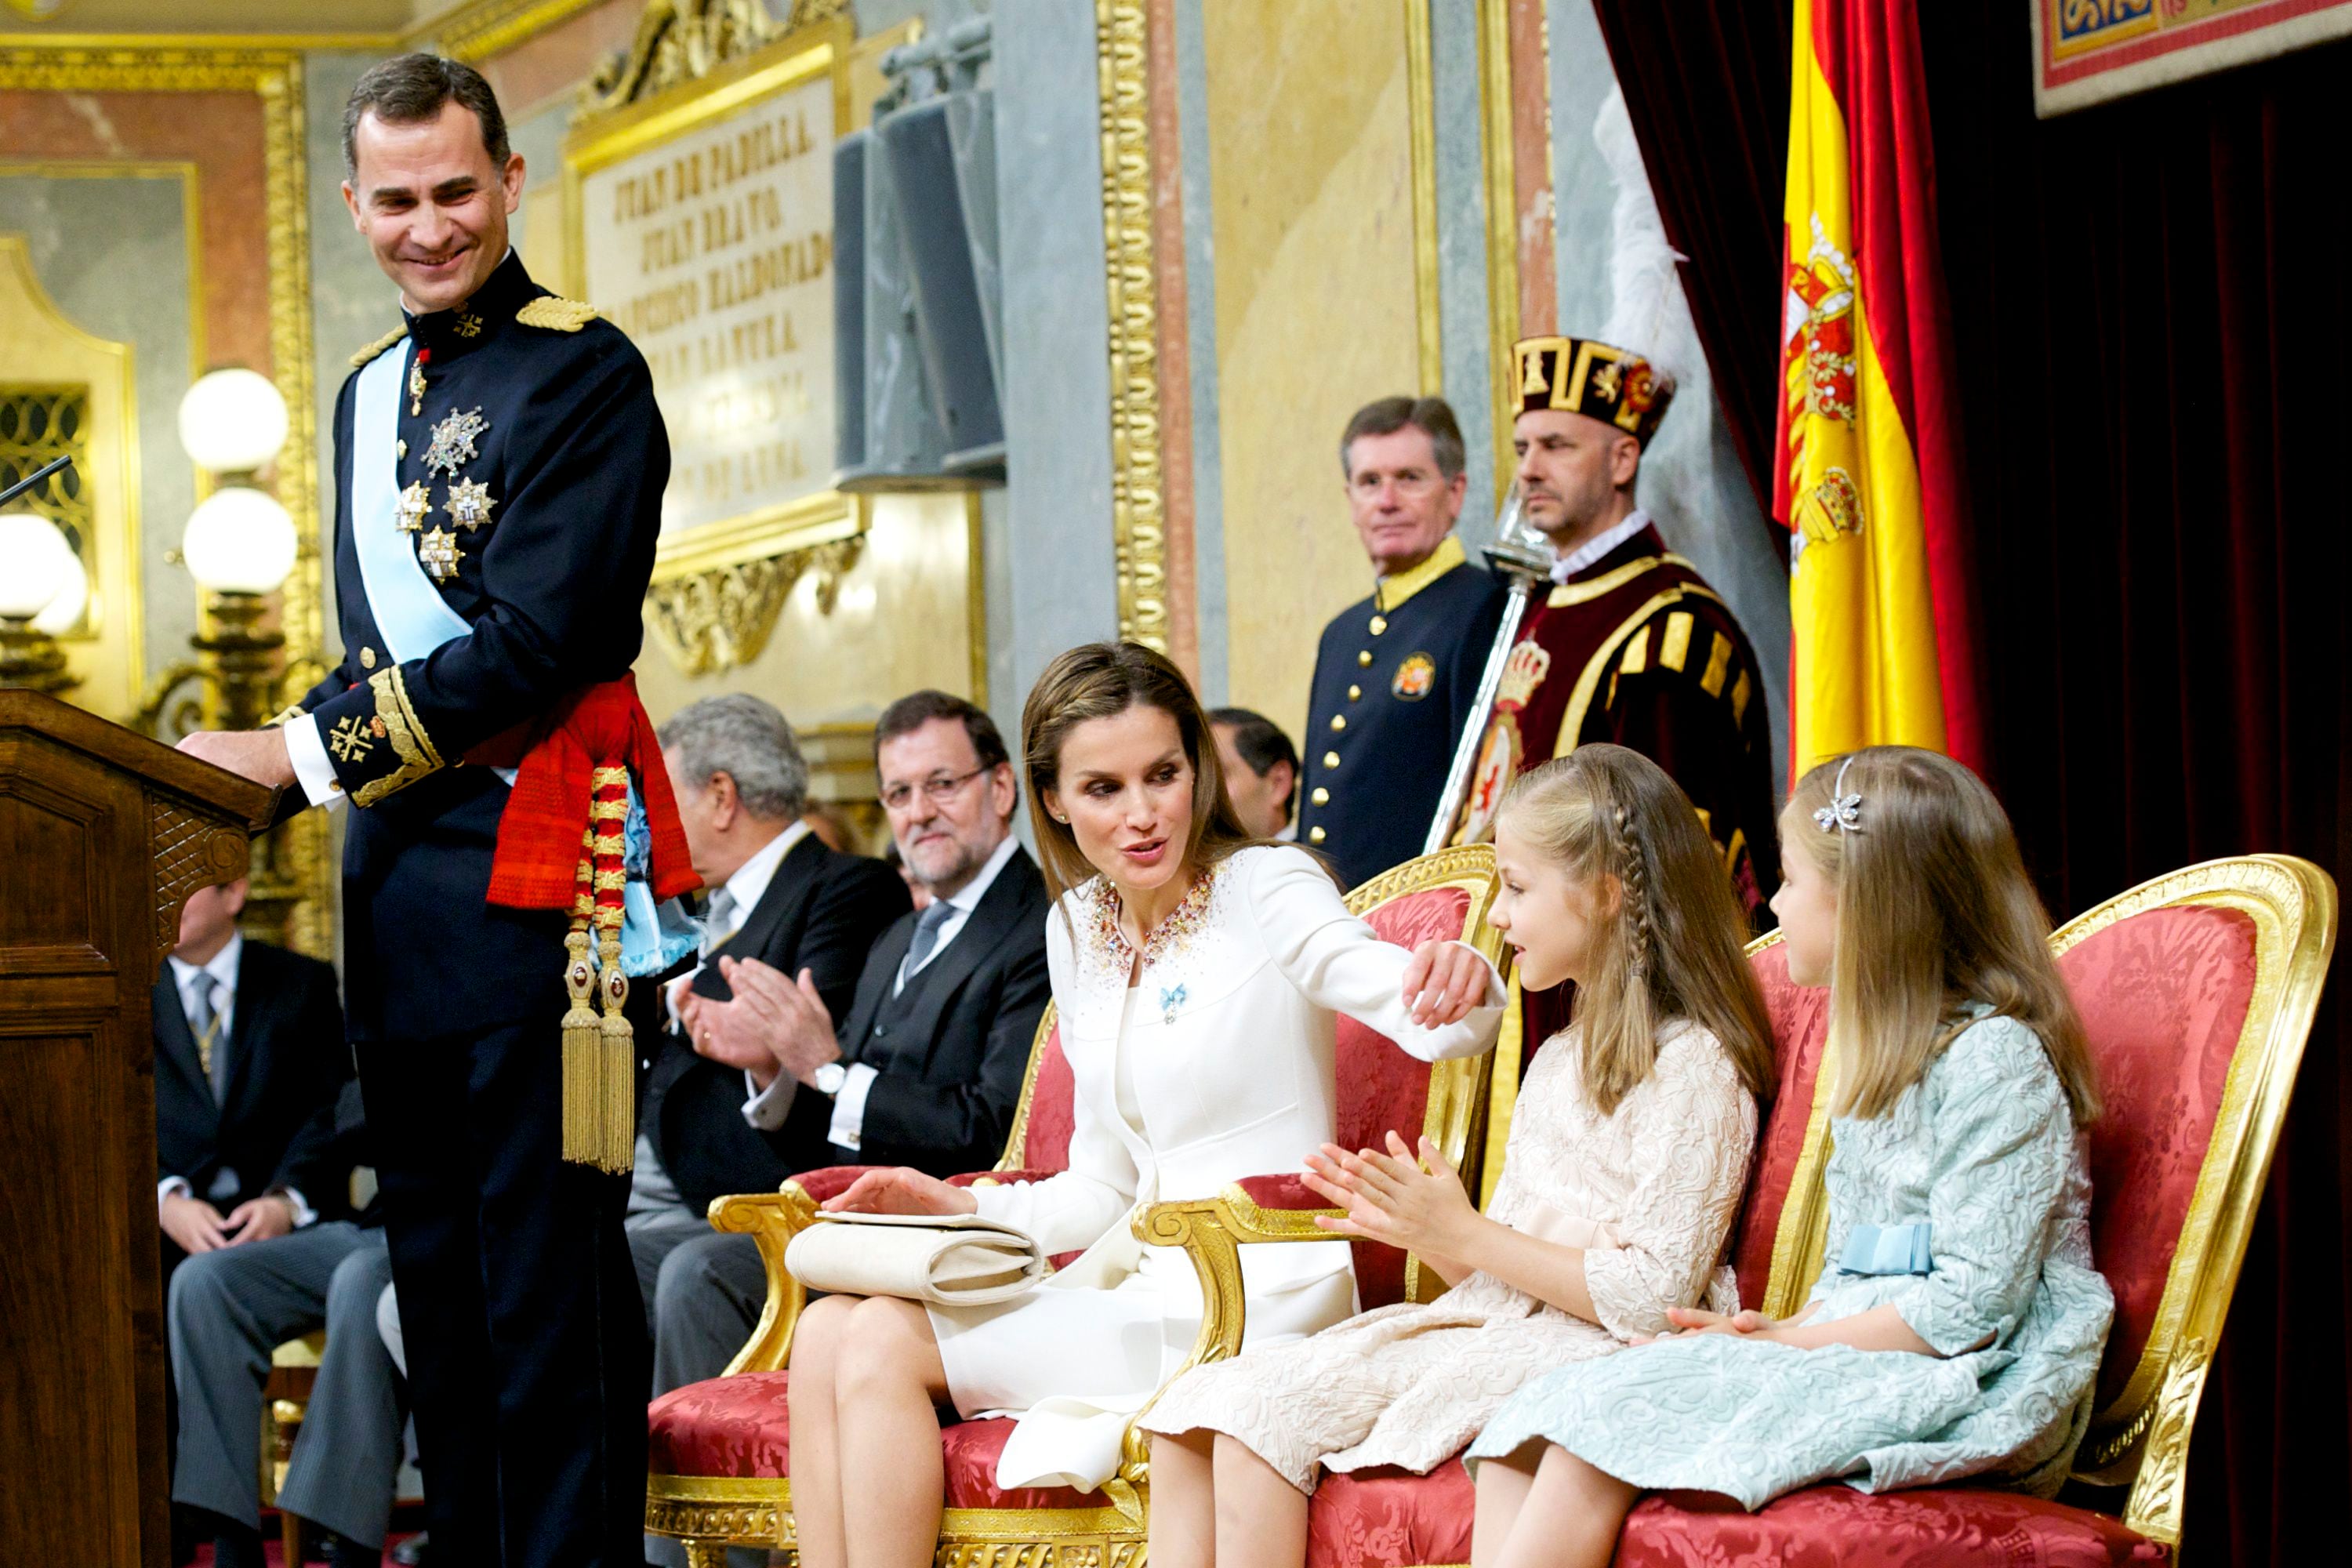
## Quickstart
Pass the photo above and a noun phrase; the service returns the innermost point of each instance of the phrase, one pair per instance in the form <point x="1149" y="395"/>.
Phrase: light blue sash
<point x="408" y="609"/>
<point x="1888" y="1249"/>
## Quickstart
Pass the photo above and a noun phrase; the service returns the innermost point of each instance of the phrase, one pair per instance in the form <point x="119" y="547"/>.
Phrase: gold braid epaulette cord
<point x="599" y="1067"/>
<point x="378" y="346"/>
<point x="555" y="313"/>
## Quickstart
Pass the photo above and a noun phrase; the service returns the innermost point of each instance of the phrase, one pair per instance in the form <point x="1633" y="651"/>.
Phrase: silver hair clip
<point x="1844" y="813"/>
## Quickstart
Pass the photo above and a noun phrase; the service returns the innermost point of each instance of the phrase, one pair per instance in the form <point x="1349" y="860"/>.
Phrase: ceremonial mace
<point x="1521" y="555"/>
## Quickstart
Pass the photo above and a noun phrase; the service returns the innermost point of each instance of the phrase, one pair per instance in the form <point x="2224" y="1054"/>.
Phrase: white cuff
<point x="766" y="1108"/>
<point x="313" y="770"/>
<point x="848" y="1126"/>
<point x="304" y="1213"/>
<point x="172" y="1187"/>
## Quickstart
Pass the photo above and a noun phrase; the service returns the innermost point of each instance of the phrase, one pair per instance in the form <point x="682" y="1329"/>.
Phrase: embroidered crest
<point x="414" y="504"/>
<point x="1413" y="678"/>
<point x="437" y="553"/>
<point x="469" y="502"/>
<point x="466" y="325"/>
<point x="454" y="442"/>
<point x="350" y="740"/>
<point x="1529" y="662"/>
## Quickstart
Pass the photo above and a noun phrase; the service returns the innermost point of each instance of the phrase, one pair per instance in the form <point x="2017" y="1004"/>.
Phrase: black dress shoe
<point x="343" y="1551"/>
<point x="237" y="1548"/>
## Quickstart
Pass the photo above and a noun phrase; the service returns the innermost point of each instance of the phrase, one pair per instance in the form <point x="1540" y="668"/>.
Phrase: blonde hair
<point x="1674" y="950"/>
<point x="1102" y="680"/>
<point x="1935" y="913"/>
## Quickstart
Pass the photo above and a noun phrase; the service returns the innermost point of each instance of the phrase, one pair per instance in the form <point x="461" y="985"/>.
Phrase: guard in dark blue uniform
<point x="499" y="464"/>
<point x="1397" y="673"/>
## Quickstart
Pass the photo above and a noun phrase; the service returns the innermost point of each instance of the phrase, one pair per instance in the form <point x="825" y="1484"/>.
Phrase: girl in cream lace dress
<point x="1628" y="1152"/>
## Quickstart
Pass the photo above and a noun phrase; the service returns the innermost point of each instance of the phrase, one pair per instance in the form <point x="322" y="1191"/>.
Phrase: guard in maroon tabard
<point x="1630" y="644"/>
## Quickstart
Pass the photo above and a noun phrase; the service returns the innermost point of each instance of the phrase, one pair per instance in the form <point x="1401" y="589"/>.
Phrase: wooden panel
<point x="54" y="816"/>
<point x="71" y="1296"/>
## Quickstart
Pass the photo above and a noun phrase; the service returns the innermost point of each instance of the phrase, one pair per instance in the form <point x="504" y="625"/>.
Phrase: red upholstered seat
<point x="1383" y="1518"/>
<point x="739" y="1428"/>
<point x="1801" y="1027"/>
<point x="1381" y="1089"/>
<point x="2163" y="997"/>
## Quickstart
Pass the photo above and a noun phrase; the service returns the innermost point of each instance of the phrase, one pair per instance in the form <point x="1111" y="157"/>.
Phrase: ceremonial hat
<point x="1585" y="375"/>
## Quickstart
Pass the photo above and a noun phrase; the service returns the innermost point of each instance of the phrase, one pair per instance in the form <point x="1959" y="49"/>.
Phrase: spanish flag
<point x="1868" y="481"/>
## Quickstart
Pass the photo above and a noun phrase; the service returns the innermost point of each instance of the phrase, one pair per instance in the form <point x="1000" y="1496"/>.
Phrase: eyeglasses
<point x="939" y="787"/>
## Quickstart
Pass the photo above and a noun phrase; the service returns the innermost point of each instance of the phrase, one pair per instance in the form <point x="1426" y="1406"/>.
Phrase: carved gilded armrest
<point x="771" y="1219"/>
<point x="1212" y="1231"/>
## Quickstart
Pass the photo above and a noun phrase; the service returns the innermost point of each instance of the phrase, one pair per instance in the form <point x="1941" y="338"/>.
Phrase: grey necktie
<point x="927" y="932"/>
<point x="212" y="1055"/>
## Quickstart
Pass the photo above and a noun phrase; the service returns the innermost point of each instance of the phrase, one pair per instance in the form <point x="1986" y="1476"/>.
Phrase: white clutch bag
<point x="949" y="1260"/>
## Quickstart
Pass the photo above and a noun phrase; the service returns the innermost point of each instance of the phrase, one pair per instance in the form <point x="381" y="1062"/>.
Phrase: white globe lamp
<point x="36" y="563"/>
<point x="233" y="422"/>
<point x="239" y="541"/>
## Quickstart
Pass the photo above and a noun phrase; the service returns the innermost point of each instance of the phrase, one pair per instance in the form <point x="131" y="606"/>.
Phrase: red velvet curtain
<point x="2150" y="304"/>
<point x="1706" y="86"/>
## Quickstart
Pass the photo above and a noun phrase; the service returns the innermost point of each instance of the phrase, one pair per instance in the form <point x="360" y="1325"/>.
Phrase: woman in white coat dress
<point x="1197" y="974"/>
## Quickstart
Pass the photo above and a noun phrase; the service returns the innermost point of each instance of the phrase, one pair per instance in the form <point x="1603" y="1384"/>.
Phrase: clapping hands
<point x="1418" y="1203"/>
<point x="772" y="1025"/>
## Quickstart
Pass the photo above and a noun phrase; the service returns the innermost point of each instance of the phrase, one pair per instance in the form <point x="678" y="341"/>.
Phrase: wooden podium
<point x="103" y="835"/>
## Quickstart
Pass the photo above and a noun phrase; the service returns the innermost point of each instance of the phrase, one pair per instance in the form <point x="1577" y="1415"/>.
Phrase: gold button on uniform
<point x="1314" y="836"/>
<point x="1355" y="694"/>
<point x="401" y="446"/>
<point x="1320" y="797"/>
<point x="1380" y="625"/>
<point x="1339" y="721"/>
<point x="1330" y="759"/>
<point x="367" y="658"/>
<point x="1364" y="658"/>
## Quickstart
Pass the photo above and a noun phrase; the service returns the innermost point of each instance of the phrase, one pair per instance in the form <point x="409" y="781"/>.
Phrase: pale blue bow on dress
<point x="1888" y="1249"/>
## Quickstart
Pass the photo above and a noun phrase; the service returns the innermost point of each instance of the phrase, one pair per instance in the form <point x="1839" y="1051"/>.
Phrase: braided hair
<point x="1673" y="932"/>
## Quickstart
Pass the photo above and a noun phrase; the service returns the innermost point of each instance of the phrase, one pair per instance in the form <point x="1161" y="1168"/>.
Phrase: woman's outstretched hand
<point x="1443" y="982"/>
<point x="900" y="1190"/>
<point x="1416" y="1204"/>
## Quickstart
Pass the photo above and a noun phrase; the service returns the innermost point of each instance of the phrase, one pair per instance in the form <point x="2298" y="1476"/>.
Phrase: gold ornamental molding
<point x="1502" y="227"/>
<point x="477" y="32"/>
<point x="295" y="858"/>
<point x="719" y="616"/>
<point x="1138" y="497"/>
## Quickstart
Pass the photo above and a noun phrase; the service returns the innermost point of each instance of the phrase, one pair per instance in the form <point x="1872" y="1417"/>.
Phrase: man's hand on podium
<point x="257" y="754"/>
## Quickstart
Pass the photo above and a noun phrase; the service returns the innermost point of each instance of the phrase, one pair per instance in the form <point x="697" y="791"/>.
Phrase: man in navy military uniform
<point x="1397" y="673"/>
<point x="499" y="472"/>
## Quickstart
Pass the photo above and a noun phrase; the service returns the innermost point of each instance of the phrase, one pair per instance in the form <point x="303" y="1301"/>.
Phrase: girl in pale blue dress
<point x="1957" y="1328"/>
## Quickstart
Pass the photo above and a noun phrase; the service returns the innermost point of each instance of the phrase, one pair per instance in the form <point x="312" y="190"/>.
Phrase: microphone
<point x="55" y="465"/>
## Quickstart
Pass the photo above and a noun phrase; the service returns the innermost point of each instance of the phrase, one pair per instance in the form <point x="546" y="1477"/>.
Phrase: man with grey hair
<point x="777" y="894"/>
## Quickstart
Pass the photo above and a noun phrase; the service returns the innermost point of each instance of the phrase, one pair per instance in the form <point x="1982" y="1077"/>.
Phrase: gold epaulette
<point x="556" y="313"/>
<point x="378" y="346"/>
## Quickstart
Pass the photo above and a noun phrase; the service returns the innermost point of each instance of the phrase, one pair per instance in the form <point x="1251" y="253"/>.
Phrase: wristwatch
<point x="828" y="1078"/>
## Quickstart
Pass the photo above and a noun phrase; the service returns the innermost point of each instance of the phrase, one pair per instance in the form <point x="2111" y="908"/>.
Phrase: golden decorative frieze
<point x="722" y="616"/>
<point x="488" y="28"/>
<point x="685" y="41"/>
<point x="1138" y="506"/>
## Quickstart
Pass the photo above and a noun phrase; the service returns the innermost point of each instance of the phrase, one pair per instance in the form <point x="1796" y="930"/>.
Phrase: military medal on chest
<point x="454" y="442"/>
<point x="469" y="502"/>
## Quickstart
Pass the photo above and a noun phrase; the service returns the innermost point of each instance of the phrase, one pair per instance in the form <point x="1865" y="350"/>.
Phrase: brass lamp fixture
<point x="239" y="546"/>
<point x="41" y="592"/>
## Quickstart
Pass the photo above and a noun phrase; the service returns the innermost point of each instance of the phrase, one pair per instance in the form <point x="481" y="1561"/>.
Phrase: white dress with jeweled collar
<point x="1217" y="1063"/>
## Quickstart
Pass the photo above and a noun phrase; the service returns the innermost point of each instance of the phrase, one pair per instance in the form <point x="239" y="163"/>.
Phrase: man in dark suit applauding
<point x="250" y="1055"/>
<point x="777" y="894"/>
<point x="926" y="1068"/>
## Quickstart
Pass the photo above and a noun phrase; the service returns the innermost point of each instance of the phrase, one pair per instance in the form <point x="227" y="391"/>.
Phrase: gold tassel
<point x="613" y="1118"/>
<point x="583" y="1062"/>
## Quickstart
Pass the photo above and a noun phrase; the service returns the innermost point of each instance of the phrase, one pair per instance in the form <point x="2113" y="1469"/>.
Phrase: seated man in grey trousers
<point x="228" y="1310"/>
